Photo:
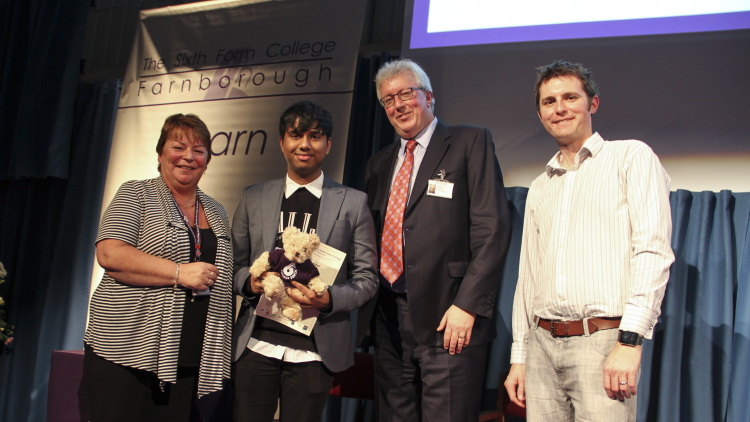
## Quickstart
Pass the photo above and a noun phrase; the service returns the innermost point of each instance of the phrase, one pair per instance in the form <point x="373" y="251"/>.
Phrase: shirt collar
<point x="590" y="148"/>
<point x="315" y="187"/>
<point x="423" y="138"/>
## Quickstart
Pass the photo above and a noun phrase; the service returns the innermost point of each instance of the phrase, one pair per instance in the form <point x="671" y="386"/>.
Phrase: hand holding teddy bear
<point x="291" y="263"/>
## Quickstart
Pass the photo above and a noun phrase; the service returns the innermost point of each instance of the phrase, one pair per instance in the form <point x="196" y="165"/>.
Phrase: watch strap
<point x="629" y="338"/>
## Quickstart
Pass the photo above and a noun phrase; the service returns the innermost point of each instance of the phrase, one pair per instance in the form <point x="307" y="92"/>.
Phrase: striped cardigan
<point x="139" y="327"/>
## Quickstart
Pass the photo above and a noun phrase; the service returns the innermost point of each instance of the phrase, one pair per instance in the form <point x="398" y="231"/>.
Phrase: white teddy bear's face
<point x="298" y="246"/>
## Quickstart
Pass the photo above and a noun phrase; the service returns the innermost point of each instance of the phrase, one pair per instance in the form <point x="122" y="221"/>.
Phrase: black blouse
<point x="196" y="307"/>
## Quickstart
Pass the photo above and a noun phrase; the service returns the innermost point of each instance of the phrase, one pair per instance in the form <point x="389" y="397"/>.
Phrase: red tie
<point x="392" y="264"/>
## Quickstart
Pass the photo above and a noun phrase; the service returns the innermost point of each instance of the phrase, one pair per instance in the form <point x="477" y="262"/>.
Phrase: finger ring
<point x="460" y="337"/>
<point x="212" y="273"/>
<point x="623" y="382"/>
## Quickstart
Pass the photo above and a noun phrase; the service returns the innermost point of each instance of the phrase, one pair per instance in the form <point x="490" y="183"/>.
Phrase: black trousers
<point x="260" y="382"/>
<point x="121" y="394"/>
<point x="417" y="381"/>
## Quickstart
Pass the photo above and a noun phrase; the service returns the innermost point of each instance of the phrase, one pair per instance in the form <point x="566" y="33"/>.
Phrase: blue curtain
<point x="55" y="148"/>
<point x="47" y="233"/>
<point x="40" y="53"/>
<point x="687" y="367"/>
<point x="697" y="367"/>
<point x="739" y="389"/>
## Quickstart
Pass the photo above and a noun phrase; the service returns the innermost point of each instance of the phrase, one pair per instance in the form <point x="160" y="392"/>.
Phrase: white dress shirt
<point x="315" y="187"/>
<point x="596" y="240"/>
<point x="287" y="354"/>
<point x="423" y="140"/>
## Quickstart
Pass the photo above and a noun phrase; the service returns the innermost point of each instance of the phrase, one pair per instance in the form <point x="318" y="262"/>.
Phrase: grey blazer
<point x="344" y="223"/>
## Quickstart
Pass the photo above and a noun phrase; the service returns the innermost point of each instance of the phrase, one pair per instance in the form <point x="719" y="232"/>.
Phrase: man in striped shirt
<point x="594" y="263"/>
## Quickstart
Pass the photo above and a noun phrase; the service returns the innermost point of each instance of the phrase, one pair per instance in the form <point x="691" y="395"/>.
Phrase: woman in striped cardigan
<point x="159" y="334"/>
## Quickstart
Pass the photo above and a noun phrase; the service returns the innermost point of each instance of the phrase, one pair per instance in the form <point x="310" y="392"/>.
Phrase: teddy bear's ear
<point x="314" y="240"/>
<point x="289" y="232"/>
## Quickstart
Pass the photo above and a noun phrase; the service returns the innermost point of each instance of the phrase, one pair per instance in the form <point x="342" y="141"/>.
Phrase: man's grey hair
<point x="405" y="67"/>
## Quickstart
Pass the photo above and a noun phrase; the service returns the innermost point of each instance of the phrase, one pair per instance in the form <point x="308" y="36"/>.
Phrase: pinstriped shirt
<point x="596" y="240"/>
<point x="140" y="326"/>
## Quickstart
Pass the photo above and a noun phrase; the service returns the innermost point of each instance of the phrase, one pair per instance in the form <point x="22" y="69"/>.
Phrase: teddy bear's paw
<point x="292" y="313"/>
<point x="272" y="294"/>
<point x="260" y="265"/>
<point x="273" y="287"/>
<point x="317" y="286"/>
<point x="291" y="309"/>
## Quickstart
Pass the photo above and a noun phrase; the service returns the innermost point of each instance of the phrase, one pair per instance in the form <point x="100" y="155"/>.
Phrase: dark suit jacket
<point x="344" y="223"/>
<point x="454" y="248"/>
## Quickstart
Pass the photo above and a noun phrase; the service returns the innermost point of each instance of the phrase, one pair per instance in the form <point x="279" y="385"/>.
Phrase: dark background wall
<point x="683" y="94"/>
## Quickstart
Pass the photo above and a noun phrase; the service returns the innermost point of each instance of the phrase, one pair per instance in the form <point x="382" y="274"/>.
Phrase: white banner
<point x="237" y="65"/>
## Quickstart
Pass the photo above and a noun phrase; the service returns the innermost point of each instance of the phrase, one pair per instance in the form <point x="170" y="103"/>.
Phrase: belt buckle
<point x="565" y="328"/>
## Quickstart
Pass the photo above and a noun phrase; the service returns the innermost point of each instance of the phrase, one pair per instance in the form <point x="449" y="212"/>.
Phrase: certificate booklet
<point x="328" y="261"/>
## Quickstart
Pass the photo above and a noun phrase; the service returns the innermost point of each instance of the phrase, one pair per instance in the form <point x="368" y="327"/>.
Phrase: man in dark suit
<point x="273" y="361"/>
<point x="443" y="227"/>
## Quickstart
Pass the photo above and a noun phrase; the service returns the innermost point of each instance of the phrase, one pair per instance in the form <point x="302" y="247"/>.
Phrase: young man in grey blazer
<point x="443" y="225"/>
<point x="273" y="361"/>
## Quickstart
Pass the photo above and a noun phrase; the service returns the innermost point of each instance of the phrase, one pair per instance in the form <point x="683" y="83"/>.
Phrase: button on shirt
<point x="596" y="240"/>
<point x="423" y="140"/>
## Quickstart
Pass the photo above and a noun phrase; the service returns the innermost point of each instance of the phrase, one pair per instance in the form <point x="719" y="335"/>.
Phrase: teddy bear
<point x="292" y="263"/>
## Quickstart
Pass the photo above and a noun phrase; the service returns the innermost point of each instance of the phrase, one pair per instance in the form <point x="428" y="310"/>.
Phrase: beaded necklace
<point x="196" y="235"/>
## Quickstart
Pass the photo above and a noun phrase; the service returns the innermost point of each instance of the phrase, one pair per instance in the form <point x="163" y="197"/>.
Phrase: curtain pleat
<point x="47" y="233"/>
<point x="40" y="58"/>
<point x="738" y="408"/>
<point x="28" y="218"/>
<point x="690" y="356"/>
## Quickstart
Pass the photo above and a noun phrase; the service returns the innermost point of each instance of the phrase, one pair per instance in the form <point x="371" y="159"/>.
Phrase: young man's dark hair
<point x="560" y="68"/>
<point x="308" y="114"/>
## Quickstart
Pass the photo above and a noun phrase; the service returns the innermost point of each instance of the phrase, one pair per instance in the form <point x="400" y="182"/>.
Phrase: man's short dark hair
<point x="559" y="69"/>
<point x="303" y="116"/>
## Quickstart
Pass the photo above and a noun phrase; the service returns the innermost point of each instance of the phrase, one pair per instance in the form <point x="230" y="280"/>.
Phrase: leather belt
<point x="575" y="328"/>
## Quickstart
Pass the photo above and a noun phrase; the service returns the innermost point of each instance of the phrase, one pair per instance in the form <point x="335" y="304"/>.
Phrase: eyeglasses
<point x="403" y="95"/>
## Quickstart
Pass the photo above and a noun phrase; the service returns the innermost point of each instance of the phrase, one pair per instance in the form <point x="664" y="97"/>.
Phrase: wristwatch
<point x="629" y="338"/>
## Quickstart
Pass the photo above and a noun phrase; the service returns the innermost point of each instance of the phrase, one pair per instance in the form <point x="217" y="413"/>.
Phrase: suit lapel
<point x="330" y="204"/>
<point x="433" y="156"/>
<point x="273" y="192"/>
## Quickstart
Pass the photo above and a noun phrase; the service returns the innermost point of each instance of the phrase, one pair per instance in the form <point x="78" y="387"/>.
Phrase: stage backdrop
<point x="238" y="65"/>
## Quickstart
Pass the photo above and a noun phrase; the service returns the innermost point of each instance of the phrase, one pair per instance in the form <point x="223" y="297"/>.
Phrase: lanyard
<point x="195" y="235"/>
